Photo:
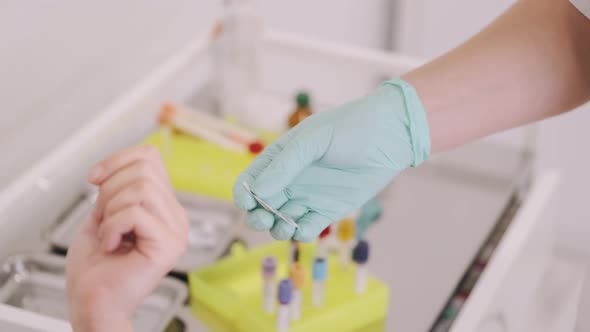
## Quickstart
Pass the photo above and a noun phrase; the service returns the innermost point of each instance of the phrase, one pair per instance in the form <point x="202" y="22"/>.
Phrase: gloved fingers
<point x="299" y="153"/>
<point x="260" y="219"/>
<point x="282" y="230"/>
<point x="277" y="201"/>
<point x="242" y="197"/>
<point x="362" y="225"/>
<point x="373" y="209"/>
<point x="370" y="213"/>
<point x="310" y="226"/>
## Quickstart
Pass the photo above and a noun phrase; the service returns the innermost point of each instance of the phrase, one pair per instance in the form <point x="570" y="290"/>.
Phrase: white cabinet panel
<point x="503" y="297"/>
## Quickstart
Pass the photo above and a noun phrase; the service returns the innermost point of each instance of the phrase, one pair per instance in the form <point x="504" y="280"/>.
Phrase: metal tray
<point x="185" y="322"/>
<point x="214" y="226"/>
<point x="37" y="283"/>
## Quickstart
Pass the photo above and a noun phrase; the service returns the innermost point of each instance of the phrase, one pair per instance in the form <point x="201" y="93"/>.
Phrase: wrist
<point x="101" y="322"/>
<point x="90" y="311"/>
<point x="416" y="121"/>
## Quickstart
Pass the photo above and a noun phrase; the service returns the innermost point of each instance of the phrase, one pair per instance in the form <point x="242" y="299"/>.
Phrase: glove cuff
<point x="417" y="121"/>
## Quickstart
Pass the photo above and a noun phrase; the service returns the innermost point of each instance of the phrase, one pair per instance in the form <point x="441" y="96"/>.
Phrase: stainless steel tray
<point x="214" y="225"/>
<point x="185" y="322"/>
<point x="37" y="283"/>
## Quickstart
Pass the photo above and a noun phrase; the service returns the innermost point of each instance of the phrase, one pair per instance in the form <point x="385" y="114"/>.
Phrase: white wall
<point x="431" y="27"/>
<point x="62" y="61"/>
<point x="357" y="22"/>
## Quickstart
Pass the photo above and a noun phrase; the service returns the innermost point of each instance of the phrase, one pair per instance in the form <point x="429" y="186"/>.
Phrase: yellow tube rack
<point x="227" y="296"/>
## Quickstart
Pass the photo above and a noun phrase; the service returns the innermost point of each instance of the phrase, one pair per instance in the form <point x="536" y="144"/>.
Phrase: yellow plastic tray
<point x="199" y="167"/>
<point x="226" y="296"/>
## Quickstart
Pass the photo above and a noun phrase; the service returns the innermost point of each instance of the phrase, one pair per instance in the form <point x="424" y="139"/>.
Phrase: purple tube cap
<point x="269" y="266"/>
<point x="285" y="291"/>
<point x="360" y="253"/>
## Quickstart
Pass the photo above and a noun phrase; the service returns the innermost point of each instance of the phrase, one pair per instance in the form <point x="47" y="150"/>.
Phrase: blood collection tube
<point x="208" y="128"/>
<point x="169" y="117"/>
<point x="345" y="234"/>
<point x="322" y="248"/>
<point x="296" y="254"/>
<point x="302" y="111"/>
<point x="285" y="297"/>
<point x="297" y="275"/>
<point x="269" y="271"/>
<point x="293" y="252"/>
<point x="319" y="274"/>
<point x="360" y="255"/>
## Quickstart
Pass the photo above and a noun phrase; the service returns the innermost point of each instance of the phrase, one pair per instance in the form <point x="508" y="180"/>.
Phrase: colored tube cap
<point x="326" y="232"/>
<point x="360" y="253"/>
<point x="255" y="147"/>
<point x="285" y="291"/>
<point x="269" y="266"/>
<point x="297" y="275"/>
<point x="320" y="269"/>
<point x="302" y="100"/>
<point x="167" y="112"/>
<point x="345" y="230"/>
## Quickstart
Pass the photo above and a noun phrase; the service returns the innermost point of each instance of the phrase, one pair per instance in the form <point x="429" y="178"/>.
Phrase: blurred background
<point x="64" y="62"/>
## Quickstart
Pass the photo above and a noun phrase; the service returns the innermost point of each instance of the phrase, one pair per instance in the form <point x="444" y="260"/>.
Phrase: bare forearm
<point x="531" y="63"/>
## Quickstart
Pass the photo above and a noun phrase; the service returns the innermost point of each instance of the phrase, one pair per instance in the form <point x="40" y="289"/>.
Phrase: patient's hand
<point x="133" y="238"/>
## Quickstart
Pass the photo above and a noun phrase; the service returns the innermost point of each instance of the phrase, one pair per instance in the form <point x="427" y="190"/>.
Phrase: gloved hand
<point x="333" y="162"/>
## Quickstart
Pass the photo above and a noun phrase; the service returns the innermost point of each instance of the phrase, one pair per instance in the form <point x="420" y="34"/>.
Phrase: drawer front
<point x="501" y="299"/>
<point x="18" y="320"/>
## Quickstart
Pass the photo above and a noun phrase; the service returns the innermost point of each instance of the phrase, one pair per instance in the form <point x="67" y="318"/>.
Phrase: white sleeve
<point x="583" y="6"/>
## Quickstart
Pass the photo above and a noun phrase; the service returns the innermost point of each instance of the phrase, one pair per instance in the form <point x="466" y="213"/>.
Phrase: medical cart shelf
<point x="290" y="63"/>
<point x="227" y="296"/>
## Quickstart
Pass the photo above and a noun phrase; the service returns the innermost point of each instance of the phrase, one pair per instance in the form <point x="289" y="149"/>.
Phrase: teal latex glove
<point x="369" y="214"/>
<point x="333" y="162"/>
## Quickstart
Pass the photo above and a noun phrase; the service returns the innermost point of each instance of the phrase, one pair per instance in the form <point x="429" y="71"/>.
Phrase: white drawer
<point x="19" y="320"/>
<point x="501" y="299"/>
